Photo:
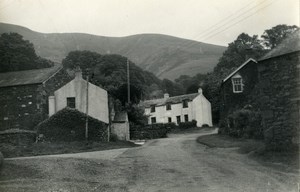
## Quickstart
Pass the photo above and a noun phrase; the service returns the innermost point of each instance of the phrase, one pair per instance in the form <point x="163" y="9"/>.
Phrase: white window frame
<point x="237" y="81"/>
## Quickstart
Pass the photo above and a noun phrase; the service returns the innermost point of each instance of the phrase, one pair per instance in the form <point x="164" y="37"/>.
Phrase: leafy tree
<point x="110" y="72"/>
<point x="172" y="88"/>
<point x="136" y="114"/>
<point x="19" y="54"/>
<point x="272" y="37"/>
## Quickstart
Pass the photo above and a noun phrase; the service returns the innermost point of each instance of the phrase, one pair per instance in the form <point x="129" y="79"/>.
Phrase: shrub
<point x="153" y="131"/>
<point x="205" y="125"/>
<point x="243" y="123"/>
<point x="189" y="124"/>
<point x="69" y="125"/>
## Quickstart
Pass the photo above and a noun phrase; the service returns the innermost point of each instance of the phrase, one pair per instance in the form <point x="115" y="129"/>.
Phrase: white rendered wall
<point x="162" y="114"/>
<point x="97" y="101"/>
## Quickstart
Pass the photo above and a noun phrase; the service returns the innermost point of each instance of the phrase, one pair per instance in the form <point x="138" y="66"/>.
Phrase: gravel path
<point x="177" y="163"/>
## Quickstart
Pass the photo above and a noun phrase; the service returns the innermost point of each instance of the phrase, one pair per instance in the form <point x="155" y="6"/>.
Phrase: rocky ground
<point x="177" y="163"/>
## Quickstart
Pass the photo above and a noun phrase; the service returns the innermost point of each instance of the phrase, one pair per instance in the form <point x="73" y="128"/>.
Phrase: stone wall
<point x="278" y="99"/>
<point x="24" y="106"/>
<point x="231" y="101"/>
<point x="19" y="106"/>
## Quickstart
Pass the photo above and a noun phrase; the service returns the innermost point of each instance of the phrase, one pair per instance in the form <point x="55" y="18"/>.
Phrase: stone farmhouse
<point x="183" y="108"/>
<point x="24" y="96"/>
<point x="74" y="95"/>
<point x="271" y="85"/>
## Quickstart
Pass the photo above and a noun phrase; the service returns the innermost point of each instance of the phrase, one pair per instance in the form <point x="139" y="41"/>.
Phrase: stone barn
<point x="24" y="96"/>
<point x="271" y="86"/>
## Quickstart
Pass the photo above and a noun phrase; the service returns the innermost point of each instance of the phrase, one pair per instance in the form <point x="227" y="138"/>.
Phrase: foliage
<point x="18" y="54"/>
<point x="153" y="131"/>
<point x="191" y="84"/>
<point x="171" y="87"/>
<point x="272" y="37"/>
<point x="244" y="122"/>
<point x="69" y="125"/>
<point x="110" y="72"/>
<point x="187" y="125"/>
<point x="136" y="115"/>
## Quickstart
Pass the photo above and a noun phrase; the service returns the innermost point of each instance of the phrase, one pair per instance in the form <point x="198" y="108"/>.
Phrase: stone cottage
<point x="23" y="96"/>
<point x="270" y="85"/>
<point x="178" y="109"/>
<point x="74" y="95"/>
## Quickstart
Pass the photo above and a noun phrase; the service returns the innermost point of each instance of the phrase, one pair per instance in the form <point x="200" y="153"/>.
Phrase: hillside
<point x="165" y="56"/>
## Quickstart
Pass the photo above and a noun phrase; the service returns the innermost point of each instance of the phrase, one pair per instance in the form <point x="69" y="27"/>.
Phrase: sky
<point x="211" y="21"/>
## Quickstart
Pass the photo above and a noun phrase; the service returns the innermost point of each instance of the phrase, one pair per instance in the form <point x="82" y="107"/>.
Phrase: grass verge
<point x="255" y="150"/>
<point x="47" y="148"/>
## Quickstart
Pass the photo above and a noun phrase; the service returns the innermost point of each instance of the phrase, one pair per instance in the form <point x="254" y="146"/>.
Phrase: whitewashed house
<point x="74" y="95"/>
<point x="178" y="109"/>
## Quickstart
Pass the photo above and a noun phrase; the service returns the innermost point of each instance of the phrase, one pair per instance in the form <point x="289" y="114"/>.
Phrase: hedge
<point x="69" y="125"/>
<point x="153" y="131"/>
<point x="187" y="125"/>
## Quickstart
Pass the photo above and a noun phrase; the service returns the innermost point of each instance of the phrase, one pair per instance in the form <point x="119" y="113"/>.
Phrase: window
<point x="169" y="119"/>
<point x="168" y="106"/>
<point x="186" y="118"/>
<point x="185" y="104"/>
<point x="178" y="119"/>
<point x="152" y="108"/>
<point x="153" y="120"/>
<point x="71" y="102"/>
<point x="237" y="84"/>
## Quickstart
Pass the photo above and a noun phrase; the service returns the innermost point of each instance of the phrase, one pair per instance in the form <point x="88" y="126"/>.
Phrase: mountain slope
<point x="165" y="56"/>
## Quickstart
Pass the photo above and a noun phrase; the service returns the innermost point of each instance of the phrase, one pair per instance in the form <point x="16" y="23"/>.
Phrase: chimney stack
<point x="78" y="73"/>
<point x="200" y="91"/>
<point x="166" y="95"/>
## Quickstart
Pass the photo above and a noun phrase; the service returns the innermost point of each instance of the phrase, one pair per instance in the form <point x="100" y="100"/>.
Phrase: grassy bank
<point x="255" y="149"/>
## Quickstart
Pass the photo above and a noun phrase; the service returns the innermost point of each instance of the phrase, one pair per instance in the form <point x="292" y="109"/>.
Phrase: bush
<point x="153" y="131"/>
<point x="187" y="125"/>
<point x="205" y="126"/>
<point x="243" y="123"/>
<point x="69" y="125"/>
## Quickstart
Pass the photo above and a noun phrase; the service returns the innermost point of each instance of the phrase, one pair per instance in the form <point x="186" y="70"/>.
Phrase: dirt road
<point x="177" y="163"/>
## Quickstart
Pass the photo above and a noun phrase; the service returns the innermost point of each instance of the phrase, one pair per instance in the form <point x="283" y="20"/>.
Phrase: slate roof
<point x="289" y="45"/>
<point x="27" y="77"/>
<point x="240" y="67"/>
<point x="171" y="100"/>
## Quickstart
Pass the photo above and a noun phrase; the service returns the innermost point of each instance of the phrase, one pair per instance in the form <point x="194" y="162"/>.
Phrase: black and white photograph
<point x="149" y="95"/>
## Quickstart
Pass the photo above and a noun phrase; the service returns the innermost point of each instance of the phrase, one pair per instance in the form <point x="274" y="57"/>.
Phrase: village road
<point x="177" y="163"/>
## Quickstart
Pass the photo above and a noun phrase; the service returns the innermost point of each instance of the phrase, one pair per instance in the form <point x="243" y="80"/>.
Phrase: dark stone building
<point x="271" y="86"/>
<point x="24" y="96"/>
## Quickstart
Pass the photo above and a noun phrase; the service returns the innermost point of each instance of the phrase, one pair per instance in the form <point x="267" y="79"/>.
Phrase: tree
<point x="272" y="37"/>
<point x="110" y="73"/>
<point x="19" y="54"/>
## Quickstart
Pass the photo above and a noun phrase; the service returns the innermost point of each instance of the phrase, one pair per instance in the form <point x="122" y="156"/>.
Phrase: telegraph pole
<point x="87" y="109"/>
<point x="128" y="82"/>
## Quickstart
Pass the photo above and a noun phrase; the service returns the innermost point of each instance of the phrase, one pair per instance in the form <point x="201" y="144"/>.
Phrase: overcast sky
<point x="212" y="21"/>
